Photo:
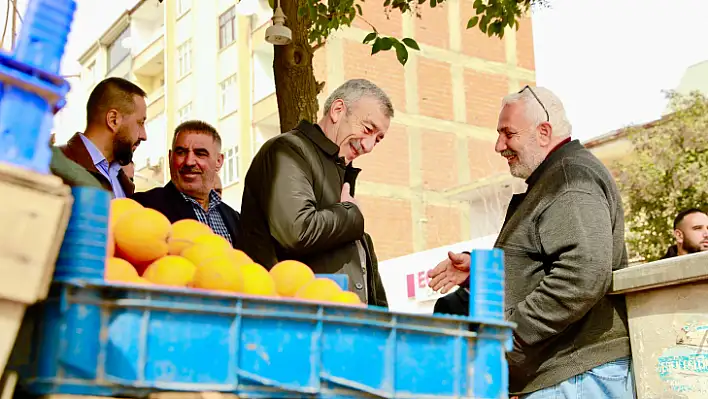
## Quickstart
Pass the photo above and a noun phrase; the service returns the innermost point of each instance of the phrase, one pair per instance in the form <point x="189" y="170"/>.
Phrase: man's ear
<point x="113" y="119"/>
<point x="678" y="235"/>
<point x="219" y="161"/>
<point x="337" y="110"/>
<point x="545" y="134"/>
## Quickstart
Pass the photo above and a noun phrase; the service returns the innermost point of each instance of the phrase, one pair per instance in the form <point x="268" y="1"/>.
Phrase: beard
<point x="528" y="161"/>
<point x="123" y="147"/>
<point x="693" y="247"/>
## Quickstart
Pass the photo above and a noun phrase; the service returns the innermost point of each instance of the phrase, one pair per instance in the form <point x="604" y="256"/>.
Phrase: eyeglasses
<point x="548" y="119"/>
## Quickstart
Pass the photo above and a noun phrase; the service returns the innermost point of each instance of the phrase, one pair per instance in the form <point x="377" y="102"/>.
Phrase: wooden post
<point x="14" y="23"/>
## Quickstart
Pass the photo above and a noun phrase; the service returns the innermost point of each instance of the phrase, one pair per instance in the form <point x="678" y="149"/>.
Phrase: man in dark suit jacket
<point x="115" y="126"/>
<point x="195" y="159"/>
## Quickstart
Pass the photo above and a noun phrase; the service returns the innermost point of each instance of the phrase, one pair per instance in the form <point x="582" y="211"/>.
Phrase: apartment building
<point x="422" y="186"/>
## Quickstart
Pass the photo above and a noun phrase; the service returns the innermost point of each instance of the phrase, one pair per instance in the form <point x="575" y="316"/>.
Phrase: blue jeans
<point x="612" y="380"/>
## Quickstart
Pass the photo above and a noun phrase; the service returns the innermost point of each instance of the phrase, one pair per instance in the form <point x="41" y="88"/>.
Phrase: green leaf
<point x="472" y="22"/>
<point x="376" y="47"/>
<point x="401" y="52"/>
<point x="371" y="36"/>
<point x="387" y="3"/>
<point x="483" y="23"/>
<point x="433" y="3"/>
<point x="386" y="43"/>
<point x="411" y="43"/>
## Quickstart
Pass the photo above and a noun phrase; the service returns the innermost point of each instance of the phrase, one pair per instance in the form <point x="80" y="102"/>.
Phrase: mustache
<point x="508" y="153"/>
<point x="189" y="169"/>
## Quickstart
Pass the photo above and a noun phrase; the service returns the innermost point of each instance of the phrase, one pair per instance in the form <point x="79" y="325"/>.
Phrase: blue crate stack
<point x="30" y="87"/>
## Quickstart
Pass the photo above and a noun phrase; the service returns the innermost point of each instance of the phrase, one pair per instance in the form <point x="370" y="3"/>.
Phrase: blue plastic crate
<point x="122" y="340"/>
<point x="31" y="90"/>
<point x="83" y="251"/>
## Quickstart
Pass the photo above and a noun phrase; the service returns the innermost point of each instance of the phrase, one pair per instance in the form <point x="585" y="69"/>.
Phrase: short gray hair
<point x="353" y="90"/>
<point x="556" y="112"/>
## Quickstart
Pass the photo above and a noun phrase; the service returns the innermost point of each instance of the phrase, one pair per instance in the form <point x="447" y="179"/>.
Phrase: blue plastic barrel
<point x="83" y="251"/>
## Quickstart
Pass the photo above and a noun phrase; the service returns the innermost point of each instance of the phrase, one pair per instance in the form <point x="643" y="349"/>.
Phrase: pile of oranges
<point x="145" y="248"/>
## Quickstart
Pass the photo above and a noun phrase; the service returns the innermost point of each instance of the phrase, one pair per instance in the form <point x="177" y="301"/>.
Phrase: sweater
<point x="562" y="240"/>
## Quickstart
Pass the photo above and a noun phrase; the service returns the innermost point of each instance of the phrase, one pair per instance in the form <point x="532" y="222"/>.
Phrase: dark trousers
<point x="456" y="303"/>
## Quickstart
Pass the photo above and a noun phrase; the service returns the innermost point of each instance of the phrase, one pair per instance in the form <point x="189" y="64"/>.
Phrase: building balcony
<point x="149" y="58"/>
<point x="156" y="95"/>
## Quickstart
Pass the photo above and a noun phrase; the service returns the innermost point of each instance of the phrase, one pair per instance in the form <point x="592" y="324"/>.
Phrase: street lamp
<point x="278" y="34"/>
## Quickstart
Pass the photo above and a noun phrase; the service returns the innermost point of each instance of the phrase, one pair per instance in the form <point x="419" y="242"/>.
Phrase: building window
<point x="184" y="113"/>
<point x="183" y="6"/>
<point x="184" y="58"/>
<point x="229" y="95"/>
<point x="229" y="171"/>
<point x="117" y="52"/>
<point x="227" y="27"/>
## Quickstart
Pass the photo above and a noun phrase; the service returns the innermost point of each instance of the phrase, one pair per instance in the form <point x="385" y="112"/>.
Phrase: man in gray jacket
<point x="562" y="239"/>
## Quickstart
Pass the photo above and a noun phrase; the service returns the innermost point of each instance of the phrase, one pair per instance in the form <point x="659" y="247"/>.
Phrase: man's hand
<point x="345" y="195"/>
<point x="450" y="272"/>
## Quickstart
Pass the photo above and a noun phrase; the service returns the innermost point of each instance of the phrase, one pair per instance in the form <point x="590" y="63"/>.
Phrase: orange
<point x="142" y="235"/>
<point x="119" y="270"/>
<point x="206" y="251"/>
<point x="121" y="207"/>
<point x="257" y="280"/>
<point x="239" y="257"/>
<point x="347" y="298"/>
<point x="171" y="270"/>
<point x="184" y="232"/>
<point x="319" y="289"/>
<point x="290" y="276"/>
<point x="219" y="274"/>
<point x="214" y="240"/>
<point x="110" y="245"/>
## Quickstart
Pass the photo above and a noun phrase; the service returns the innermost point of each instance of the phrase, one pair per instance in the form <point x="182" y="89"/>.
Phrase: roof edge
<point x="110" y="34"/>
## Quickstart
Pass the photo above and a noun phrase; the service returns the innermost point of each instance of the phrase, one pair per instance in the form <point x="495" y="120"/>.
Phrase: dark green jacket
<point x="73" y="174"/>
<point x="291" y="208"/>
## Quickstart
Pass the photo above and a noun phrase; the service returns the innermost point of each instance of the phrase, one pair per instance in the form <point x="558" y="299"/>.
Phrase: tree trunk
<point x="295" y="85"/>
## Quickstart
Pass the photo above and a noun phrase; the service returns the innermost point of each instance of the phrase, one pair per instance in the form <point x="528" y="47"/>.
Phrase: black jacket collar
<point x="317" y="136"/>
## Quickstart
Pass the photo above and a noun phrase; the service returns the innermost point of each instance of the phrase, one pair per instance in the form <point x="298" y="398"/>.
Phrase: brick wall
<point x="390" y="224"/>
<point x="382" y="69"/>
<point x="389" y="162"/>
